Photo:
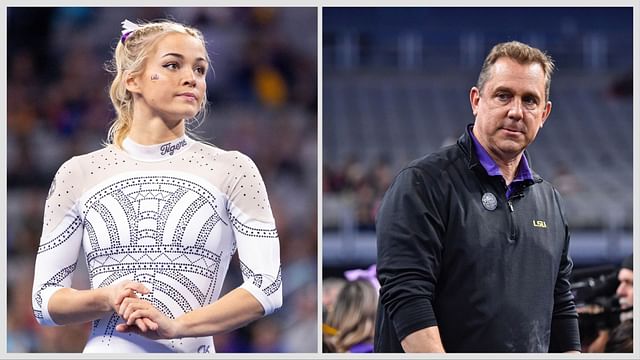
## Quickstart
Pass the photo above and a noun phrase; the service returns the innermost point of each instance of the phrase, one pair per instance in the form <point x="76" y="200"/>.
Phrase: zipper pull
<point x="510" y="205"/>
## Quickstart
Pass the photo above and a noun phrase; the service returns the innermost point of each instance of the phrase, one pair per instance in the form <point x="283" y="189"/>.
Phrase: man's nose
<point x="515" y="109"/>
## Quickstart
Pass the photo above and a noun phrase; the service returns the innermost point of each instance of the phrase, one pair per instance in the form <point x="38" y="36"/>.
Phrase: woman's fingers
<point x="127" y="328"/>
<point x="128" y="289"/>
<point x="130" y="306"/>
<point x="139" y="287"/>
<point x="137" y="321"/>
<point x="125" y="293"/>
<point x="129" y="310"/>
<point x="151" y="325"/>
<point x="141" y="325"/>
<point x="137" y="313"/>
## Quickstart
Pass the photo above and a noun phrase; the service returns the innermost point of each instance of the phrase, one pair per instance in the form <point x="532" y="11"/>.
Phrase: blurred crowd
<point x="386" y="53"/>
<point x="349" y="307"/>
<point x="262" y="96"/>
<point x="358" y="182"/>
<point x="605" y="307"/>
<point x="357" y="185"/>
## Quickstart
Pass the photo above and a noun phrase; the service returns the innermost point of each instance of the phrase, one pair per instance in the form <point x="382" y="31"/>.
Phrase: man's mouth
<point x="624" y="304"/>
<point x="512" y="131"/>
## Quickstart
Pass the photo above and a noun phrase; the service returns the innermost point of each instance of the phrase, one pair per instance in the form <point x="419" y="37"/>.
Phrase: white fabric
<point x="170" y="216"/>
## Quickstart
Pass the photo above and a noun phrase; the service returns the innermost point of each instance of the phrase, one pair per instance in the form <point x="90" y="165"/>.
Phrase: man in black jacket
<point x="472" y="244"/>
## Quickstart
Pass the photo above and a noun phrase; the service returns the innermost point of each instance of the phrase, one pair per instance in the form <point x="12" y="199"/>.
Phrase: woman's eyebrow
<point x="173" y="54"/>
<point x="182" y="56"/>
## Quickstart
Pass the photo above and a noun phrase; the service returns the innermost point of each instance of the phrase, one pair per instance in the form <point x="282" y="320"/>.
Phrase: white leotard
<point x="169" y="216"/>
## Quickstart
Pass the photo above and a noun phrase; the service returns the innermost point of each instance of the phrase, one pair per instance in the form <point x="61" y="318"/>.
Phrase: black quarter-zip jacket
<point x="491" y="280"/>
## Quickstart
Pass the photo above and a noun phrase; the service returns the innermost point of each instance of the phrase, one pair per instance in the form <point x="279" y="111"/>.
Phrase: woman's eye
<point x="201" y="70"/>
<point x="171" y="66"/>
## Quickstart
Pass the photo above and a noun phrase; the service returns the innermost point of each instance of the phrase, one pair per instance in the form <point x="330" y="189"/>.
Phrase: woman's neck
<point x="155" y="130"/>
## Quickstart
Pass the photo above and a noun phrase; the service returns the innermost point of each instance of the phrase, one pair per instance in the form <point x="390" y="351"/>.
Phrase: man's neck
<point x="507" y="163"/>
<point x="508" y="168"/>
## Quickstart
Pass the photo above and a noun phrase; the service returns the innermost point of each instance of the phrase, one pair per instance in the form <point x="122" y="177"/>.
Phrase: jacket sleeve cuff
<point x="413" y="315"/>
<point x="564" y="335"/>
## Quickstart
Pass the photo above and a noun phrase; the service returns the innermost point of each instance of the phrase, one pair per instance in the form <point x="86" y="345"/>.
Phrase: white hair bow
<point x="128" y="26"/>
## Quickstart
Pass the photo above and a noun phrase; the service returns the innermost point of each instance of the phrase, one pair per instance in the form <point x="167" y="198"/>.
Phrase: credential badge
<point x="489" y="201"/>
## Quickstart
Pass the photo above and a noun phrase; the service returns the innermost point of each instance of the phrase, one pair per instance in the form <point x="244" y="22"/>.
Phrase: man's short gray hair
<point x="523" y="54"/>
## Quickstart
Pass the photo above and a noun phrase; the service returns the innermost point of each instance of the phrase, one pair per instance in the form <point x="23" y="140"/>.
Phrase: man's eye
<point x="502" y="96"/>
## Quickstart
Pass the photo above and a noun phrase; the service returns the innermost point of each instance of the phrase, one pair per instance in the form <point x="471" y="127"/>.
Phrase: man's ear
<point x="132" y="83"/>
<point x="474" y="99"/>
<point x="547" y="112"/>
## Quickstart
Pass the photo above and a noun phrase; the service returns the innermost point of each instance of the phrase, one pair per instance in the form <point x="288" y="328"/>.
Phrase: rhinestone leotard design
<point x="169" y="216"/>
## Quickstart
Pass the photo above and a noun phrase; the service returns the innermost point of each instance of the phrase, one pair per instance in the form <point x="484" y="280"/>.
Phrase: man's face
<point x="625" y="289"/>
<point x="511" y="107"/>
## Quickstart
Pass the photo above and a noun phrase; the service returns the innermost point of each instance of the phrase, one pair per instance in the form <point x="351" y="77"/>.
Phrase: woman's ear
<point x="132" y="83"/>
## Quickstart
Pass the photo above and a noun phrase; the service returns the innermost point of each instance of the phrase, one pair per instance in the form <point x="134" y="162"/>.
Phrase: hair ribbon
<point x="127" y="28"/>
<point x="360" y="274"/>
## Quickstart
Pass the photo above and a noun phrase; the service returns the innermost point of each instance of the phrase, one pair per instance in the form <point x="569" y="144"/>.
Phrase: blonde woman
<point x="350" y="324"/>
<point x="158" y="214"/>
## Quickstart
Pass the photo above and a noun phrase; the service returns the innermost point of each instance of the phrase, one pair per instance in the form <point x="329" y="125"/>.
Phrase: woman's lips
<point x="188" y="96"/>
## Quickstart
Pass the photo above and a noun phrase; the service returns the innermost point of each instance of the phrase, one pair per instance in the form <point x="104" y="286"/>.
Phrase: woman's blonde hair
<point x="129" y="59"/>
<point x="353" y="316"/>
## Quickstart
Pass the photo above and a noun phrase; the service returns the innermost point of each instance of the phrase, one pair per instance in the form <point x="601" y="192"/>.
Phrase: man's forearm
<point x="424" y="340"/>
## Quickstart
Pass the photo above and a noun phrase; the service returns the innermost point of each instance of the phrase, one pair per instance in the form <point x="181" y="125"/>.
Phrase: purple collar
<point x="523" y="173"/>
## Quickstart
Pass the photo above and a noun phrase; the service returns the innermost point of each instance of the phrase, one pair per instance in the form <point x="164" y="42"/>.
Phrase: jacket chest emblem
<point x="540" y="224"/>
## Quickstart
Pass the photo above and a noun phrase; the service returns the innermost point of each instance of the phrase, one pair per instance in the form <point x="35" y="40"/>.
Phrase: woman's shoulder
<point x="102" y="154"/>
<point x="71" y="178"/>
<point x="76" y="162"/>
<point x="234" y="159"/>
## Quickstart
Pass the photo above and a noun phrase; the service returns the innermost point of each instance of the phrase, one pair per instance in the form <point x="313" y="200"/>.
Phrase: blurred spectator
<point x="300" y="331"/>
<point x="625" y="289"/>
<point x="621" y="339"/>
<point x="622" y="86"/>
<point x="330" y="289"/>
<point x="266" y="336"/>
<point x="565" y="181"/>
<point x="624" y="293"/>
<point x="350" y="325"/>
<point x="359" y="184"/>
